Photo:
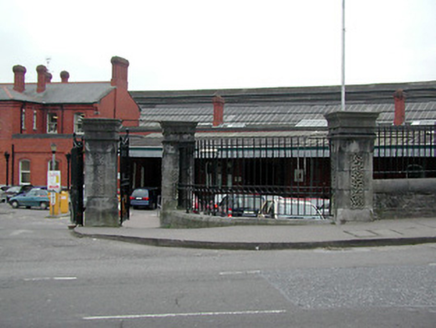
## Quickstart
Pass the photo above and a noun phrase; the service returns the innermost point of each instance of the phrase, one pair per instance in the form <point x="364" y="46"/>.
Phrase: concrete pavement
<point x="143" y="228"/>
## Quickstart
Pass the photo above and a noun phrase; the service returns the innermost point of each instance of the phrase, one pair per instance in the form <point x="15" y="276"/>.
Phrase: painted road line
<point x="49" y="278"/>
<point x="228" y="273"/>
<point x="174" y="315"/>
<point x="65" y="278"/>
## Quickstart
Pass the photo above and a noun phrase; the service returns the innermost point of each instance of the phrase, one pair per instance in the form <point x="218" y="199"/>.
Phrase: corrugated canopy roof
<point x="274" y="114"/>
<point x="284" y="107"/>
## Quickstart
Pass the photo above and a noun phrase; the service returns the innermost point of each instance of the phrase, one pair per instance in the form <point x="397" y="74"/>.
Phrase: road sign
<point x="54" y="181"/>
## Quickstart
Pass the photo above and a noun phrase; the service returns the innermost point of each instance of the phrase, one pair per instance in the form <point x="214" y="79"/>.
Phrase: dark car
<point x="34" y="198"/>
<point x="17" y="190"/>
<point x="240" y="205"/>
<point x="145" y="197"/>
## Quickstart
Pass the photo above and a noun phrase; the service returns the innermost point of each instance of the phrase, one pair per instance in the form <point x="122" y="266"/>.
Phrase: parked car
<point x="17" y="190"/>
<point x="34" y="198"/>
<point x="3" y="193"/>
<point x="322" y="205"/>
<point x="240" y="205"/>
<point x="148" y="197"/>
<point x="289" y="208"/>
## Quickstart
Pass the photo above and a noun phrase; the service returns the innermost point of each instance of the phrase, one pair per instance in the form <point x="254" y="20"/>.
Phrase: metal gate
<point x="77" y="180"/>
<point x="125" y="178"/>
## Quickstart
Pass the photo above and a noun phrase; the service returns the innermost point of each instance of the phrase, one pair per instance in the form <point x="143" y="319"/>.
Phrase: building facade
<point x="38" y="120"/>
<point x="271" y="117"/>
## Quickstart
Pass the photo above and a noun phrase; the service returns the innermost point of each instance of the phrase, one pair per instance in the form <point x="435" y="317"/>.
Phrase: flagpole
<point x="343" y="58"/>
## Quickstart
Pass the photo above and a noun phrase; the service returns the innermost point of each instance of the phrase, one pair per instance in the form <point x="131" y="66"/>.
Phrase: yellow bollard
<point x="54" y="203"/>
<point x="64" y="206"/>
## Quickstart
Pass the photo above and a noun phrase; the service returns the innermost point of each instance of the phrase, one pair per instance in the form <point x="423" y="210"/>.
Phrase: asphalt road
<point x="49" y="278"/>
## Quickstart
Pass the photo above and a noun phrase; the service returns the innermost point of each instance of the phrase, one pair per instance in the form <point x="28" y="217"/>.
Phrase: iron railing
<point x="405" y="152"/>
<point x="255" y="170"/>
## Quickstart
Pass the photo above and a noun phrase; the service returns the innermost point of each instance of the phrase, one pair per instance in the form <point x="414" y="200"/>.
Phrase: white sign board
<point x="54" y="181"/>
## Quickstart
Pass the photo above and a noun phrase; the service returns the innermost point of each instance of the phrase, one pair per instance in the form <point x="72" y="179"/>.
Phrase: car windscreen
<point x="296" y="208"/>
<point x="248" y="202"/>
<point x="140" y="193"/>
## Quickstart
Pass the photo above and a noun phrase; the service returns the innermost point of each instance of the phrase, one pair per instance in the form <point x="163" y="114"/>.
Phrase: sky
<point x="208" y="44"/>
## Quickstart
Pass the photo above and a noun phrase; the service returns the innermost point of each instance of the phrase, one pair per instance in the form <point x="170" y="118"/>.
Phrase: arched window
<point x="24" y="172"/>
<point x="78" y="118"/>
<point x="35" y="116"/>
<point x="52" y="123"/>
<point x="23" y="119"/>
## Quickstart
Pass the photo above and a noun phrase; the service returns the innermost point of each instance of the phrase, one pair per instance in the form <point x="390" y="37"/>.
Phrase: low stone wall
<point x="404" y="198"/>
<point x="182" y="220"/>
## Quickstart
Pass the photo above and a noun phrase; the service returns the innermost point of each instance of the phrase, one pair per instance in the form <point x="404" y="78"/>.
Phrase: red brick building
<point x="34" y="117"/>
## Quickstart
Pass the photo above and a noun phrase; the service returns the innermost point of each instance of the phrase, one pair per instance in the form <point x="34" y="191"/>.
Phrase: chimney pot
<point x="119" y="72"/>
<point x="218" y="110"/>
<point x="48" y="77"/>
<point x="65" y="76"/>
<point x="42" y="75"/>
<point x="400" y="107"/>
<point x="19" y="72"/>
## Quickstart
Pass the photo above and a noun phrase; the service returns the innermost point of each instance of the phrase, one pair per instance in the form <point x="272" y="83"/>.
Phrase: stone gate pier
<point x="352" y="136"/>
<point x="101" y="167"/>
<point x="177" y="165"/>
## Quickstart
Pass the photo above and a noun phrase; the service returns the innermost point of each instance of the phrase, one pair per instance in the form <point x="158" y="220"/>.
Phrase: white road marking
<point x="19" y="232"/>
<point x="173" y="315"/>
<point x="37" y="279"/>
<point x="65" y="278"/>
<point x="228" y="273"/>
<point x="49" y="278"/>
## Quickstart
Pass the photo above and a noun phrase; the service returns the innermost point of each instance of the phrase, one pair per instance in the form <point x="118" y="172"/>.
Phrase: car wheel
<point x="43" y="205"/>
<point x="14" y="204"/>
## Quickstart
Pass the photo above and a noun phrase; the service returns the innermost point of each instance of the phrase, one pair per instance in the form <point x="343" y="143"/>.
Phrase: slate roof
<point x="284" y="107"/>
<point x="59" y="93"/>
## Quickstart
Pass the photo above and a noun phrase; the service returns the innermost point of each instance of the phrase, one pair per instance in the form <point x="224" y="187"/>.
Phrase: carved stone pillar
<point x="101" y="159"/>
<point x="177" y="165"/>
<point x="352" y="136"/>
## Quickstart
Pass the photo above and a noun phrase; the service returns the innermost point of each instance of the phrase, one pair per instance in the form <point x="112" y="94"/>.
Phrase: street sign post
<point x="54" y="188"/>
<point x="54" y="181"/>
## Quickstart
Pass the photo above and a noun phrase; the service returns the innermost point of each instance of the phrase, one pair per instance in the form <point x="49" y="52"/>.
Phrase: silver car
<point x="289" y="208"/>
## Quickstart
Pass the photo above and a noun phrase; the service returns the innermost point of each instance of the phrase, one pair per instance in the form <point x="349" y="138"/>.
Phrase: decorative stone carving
<point x="357" y="181"/>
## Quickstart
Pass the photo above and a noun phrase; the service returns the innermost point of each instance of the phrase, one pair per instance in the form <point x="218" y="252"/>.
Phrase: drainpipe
<point x="13" y="166"/>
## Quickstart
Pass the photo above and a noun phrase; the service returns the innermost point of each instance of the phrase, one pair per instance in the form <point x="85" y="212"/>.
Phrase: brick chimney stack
<point x="65" y="76"/>
<point x="218" y="110"/>
<point x="19" y="72"/>
<point x="400" y="107"/>
<point x="42" y="75"/>
<point x="119" y="72"/>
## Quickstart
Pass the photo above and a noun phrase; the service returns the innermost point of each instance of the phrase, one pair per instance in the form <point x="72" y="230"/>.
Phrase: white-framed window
<point x="52" y="123"/>
<point x="24" y="172"/>
<point x="23" y="119"/>
<point x="50" y="166"/>
<point x="78" y="119"/>
<point x="35" y="115"/>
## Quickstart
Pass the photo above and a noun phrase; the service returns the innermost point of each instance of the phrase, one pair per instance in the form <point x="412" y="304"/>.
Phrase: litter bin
<point x="64" y="202"/>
